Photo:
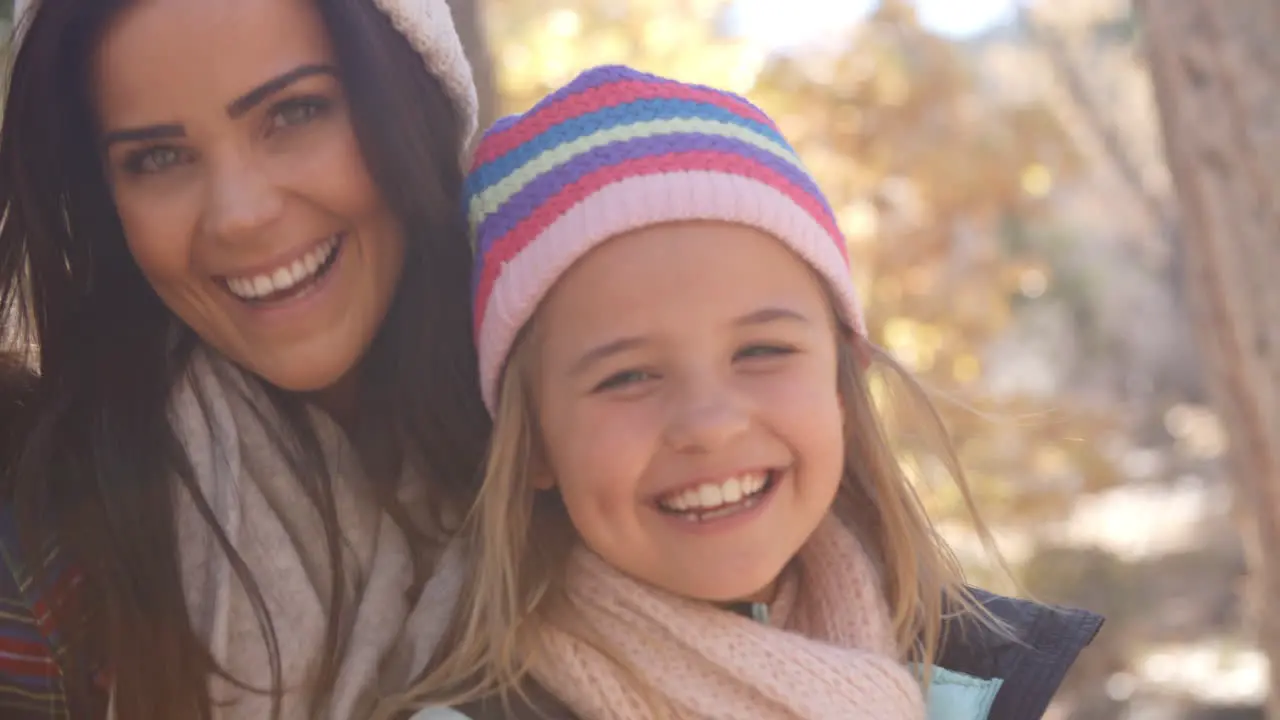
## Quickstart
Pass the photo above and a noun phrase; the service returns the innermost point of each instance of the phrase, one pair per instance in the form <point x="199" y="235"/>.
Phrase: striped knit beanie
<point x="617" y="150"/>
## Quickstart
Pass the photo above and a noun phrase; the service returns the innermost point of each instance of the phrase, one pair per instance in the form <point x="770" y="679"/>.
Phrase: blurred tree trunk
<point x="468" y="15"/>
<point x="1215" y="65"/>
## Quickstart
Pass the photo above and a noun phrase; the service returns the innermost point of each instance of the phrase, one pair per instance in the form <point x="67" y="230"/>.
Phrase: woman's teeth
<point x="285" y="278"/>
<point x="715" y="498"/>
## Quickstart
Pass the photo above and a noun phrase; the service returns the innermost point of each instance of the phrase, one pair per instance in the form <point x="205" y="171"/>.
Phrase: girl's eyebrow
<point x="757" y="317"/>
<point x="771" y="314"/>
<point x="601" y="352"/>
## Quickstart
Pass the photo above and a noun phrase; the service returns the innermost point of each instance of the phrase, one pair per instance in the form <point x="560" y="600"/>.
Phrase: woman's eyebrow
<point x="254" y="97"/>
<point x="165" y="131"/>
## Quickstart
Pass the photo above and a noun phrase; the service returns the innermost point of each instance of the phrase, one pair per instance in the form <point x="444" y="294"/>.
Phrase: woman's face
<point x="229" y="149"/>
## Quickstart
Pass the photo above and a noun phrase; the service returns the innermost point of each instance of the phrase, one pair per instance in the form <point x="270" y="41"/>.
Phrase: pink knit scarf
<point x="828" y="652"/>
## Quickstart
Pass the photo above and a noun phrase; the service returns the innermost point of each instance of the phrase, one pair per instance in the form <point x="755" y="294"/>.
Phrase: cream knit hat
<point x="428" y="25"/>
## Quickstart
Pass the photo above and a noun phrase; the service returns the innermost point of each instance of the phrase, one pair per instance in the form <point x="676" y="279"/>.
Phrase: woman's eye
<point x="761" y="351"/>
<point x="623" y="379"/>
<point x="152" y="160"/>
<point x="297" y="112"/>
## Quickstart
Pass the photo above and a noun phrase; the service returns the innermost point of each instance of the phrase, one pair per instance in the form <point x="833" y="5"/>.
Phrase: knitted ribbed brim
<point x="428" y="25"/>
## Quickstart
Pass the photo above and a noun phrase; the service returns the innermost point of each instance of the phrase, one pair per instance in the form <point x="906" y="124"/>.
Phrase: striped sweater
<point x="31" y="651"/>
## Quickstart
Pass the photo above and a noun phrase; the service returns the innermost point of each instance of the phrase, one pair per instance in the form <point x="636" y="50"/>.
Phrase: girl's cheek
<point x="802" y="386"/>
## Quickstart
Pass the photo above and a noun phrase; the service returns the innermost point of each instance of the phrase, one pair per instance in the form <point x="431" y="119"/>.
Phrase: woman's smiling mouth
<point x="288" y="280"/>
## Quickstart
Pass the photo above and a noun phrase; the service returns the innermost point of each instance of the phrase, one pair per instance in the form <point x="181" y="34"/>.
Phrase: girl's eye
<point x="152" y="160"/>
<point x="623" y="379"/>
<point x="762" y="351"/>
<point x="298" y="111"/>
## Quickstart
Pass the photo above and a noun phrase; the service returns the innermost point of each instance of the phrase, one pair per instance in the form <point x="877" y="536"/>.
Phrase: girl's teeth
<point x="283" y="278"/>
<point x="731" y="491"/>
<point x="709" y="496"/>
<point x="712" y="496"/>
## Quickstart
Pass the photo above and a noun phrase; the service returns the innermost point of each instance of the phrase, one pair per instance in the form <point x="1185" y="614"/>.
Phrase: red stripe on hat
<point x="540" y="119"/>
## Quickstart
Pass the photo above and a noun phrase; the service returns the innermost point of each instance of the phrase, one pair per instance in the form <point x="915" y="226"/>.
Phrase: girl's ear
<point x="540" y="474"/>
<point x="543" y="479"/>
<point x="861" y="349"/>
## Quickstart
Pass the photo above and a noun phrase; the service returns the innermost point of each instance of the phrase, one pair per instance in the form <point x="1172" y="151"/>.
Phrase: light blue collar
<point x="952" y="695"/>
<point x="956" y="696"/>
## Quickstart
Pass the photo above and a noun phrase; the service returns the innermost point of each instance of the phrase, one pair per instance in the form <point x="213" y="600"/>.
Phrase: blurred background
<point x="999" y="169"/>
<point x="1021" y="244"/>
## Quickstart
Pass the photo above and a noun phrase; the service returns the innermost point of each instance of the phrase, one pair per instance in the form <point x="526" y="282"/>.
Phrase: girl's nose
<point x="706" y="420"/>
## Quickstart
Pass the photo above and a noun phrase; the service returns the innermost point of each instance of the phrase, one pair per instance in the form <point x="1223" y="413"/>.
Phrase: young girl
<point x="690" y="508"/>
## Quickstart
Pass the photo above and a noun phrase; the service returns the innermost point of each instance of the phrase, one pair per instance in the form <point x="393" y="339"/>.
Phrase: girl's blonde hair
<point x="514" y="577"/>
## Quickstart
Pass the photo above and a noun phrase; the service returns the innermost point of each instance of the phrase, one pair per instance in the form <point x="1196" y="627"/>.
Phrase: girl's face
<point x="245" y="200"/>
<point x="686" y="382"/>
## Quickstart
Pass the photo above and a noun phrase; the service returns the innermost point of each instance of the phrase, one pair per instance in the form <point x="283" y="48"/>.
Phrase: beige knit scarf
<point x="386" y="637"/>
<point x="827" y="653"/>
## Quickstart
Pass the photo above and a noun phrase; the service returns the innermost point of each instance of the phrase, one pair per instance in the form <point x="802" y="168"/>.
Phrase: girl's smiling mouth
<point x="709" y="501"/>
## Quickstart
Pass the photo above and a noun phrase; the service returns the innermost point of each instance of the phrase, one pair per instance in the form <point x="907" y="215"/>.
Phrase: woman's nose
<point x="242" y="200"/>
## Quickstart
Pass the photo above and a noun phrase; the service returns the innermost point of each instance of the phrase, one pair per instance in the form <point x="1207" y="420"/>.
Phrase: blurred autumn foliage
<point x="1017" y="246"/>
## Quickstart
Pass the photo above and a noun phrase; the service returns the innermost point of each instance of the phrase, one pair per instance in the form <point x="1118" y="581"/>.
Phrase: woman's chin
<point x="326" y="377"/>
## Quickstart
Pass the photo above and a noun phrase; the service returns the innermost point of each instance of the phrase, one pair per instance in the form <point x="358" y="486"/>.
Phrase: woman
<point x="17" y="385"/>
<point x="235" y="227"/>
